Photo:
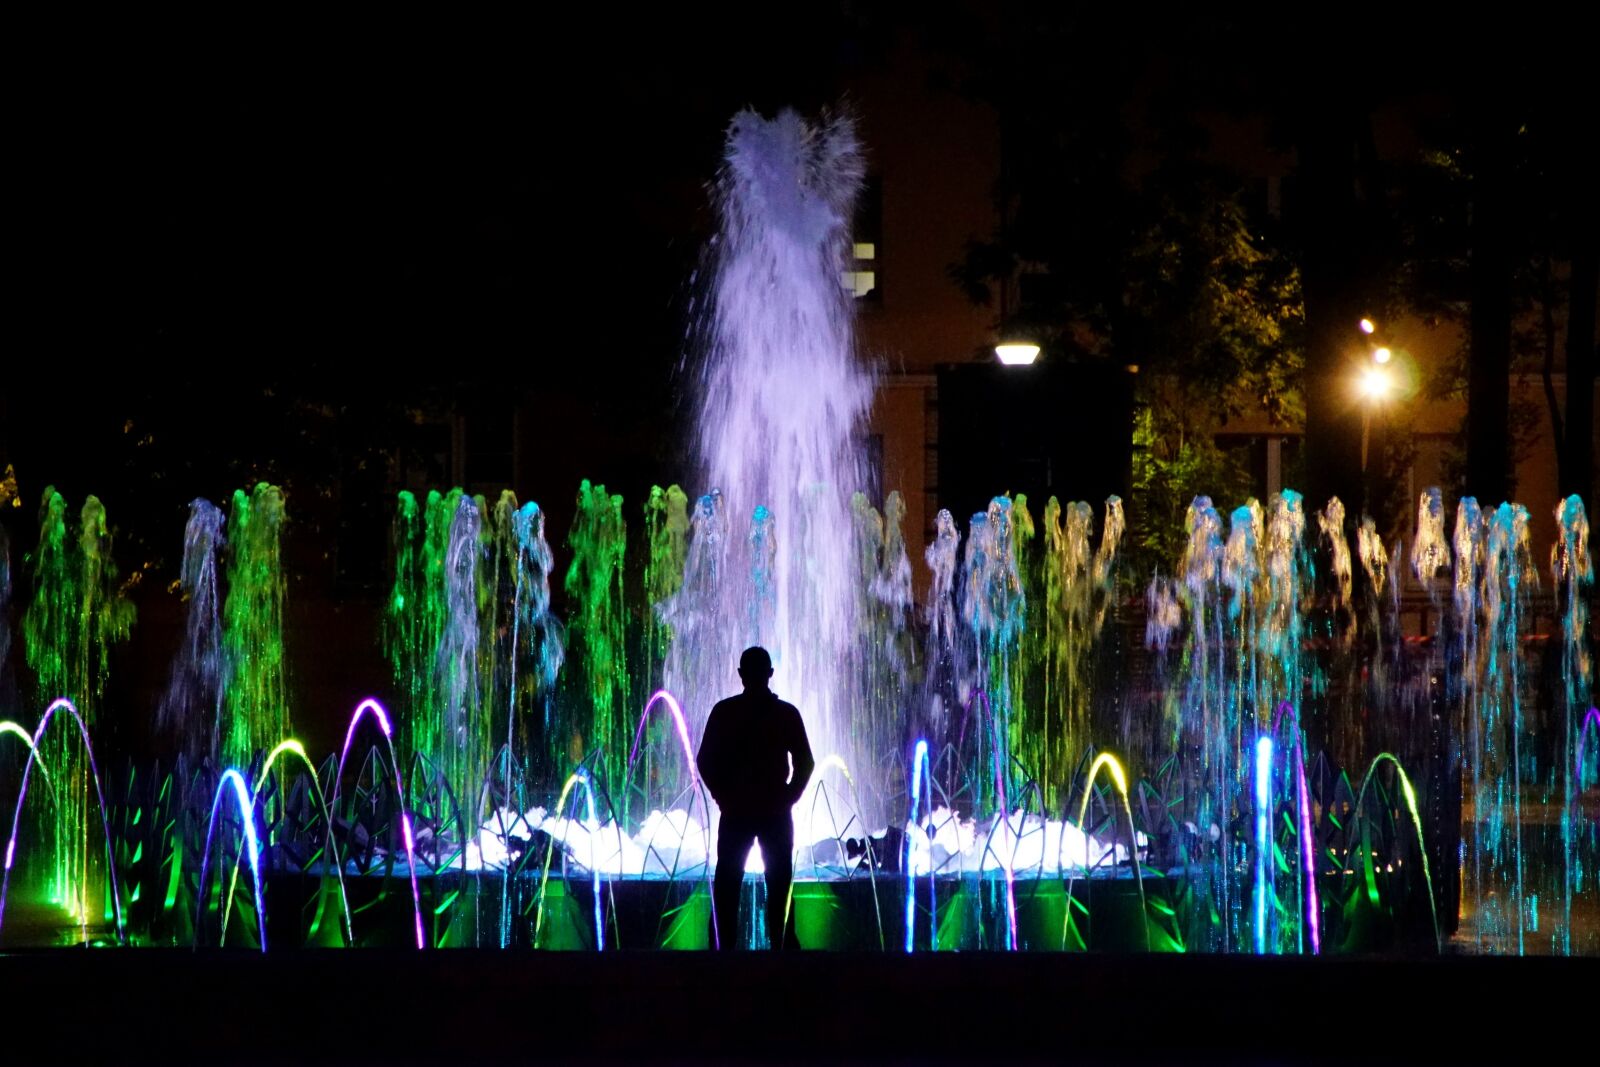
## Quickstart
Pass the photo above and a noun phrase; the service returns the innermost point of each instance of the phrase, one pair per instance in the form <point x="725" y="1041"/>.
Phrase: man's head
<point x="755" y="667"/>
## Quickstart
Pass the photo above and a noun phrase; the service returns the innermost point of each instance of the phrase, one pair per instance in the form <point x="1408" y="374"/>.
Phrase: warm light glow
<point x="1017" y="355"/>
<point x="1375" y="383"/>
<point x="1368" y="326"/>
<point x="1382" y="355"/>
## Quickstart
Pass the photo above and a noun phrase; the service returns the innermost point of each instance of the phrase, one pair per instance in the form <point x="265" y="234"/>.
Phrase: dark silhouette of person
<point x="751" y="741"/>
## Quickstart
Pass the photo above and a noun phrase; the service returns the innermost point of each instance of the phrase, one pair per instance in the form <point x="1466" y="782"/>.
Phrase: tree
<point x="1165" y="267"/>
<point x="1499" y="238"/>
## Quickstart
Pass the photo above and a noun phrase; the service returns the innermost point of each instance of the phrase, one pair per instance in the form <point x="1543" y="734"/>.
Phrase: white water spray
<point x="782" y="399"/>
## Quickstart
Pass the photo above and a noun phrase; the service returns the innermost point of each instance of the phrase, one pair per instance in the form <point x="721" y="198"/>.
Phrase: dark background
<point x="238" y="259"/>
<point x="310" y="254"/>
<point x="1064" y="428"/>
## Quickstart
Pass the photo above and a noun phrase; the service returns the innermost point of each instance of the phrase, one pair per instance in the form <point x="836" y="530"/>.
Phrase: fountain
<point x="255" y="693"/>
<point x="781" y="400"/>
<point x="1299" y="756"/>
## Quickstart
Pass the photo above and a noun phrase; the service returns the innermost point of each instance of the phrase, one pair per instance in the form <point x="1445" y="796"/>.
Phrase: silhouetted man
<point x="750" y="742"/>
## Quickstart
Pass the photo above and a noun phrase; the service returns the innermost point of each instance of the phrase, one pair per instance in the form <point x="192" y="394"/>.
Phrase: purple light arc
<point x="372" y="707"/>
<point x="247" y="807"/>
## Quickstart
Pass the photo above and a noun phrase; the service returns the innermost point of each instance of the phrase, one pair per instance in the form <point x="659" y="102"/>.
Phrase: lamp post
<point x="1375" y="385"/>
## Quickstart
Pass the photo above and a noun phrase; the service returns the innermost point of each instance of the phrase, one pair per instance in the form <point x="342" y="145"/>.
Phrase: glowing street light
<point x="1382" y="355"/>
<point x="1375" y="383"/>
<point x="1017" y="353"/>
<point x="1368" y="326"/>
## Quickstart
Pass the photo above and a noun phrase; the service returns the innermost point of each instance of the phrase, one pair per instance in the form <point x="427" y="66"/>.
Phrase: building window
<point x="863" y="277"/>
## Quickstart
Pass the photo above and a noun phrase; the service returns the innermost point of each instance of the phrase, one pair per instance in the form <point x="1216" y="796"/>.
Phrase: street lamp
<point x="1376" y="384"/>
<point x="1016" y="353"/>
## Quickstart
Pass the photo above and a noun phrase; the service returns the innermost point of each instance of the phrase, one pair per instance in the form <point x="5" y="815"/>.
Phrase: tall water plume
<point x="941" y="556"/>
<point x="1244" y="576"/>
<point x="666" y="526"/>
<point x="191" y="710"/>
<point x="1289" y="576"/>
<point x="1341" y="571"/>
<point x="1573" y="570"/>
<point x="1496" y="732"/>
<point x="707" y="612"/>
<point x="402" y="615"/>
<point x="598" y="540"/>
<point x="463" y="735"/>
<point x="79" y="610"/>
<point x="415" y="617"/>
<point x="1077" y="588"/>
<point x="782" y="398"/>
<point x="994" y="607"/>
<point x="883" y="601"/>
<point x="538" y="645"/>
<point x="1211" y="720"/>
<point x="941" y="673"/>
<point x="255" y="701"/>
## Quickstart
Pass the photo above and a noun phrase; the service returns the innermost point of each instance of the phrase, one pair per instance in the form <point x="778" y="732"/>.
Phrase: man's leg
<point x="734" y="838"/>
<point x="777" y="855"/>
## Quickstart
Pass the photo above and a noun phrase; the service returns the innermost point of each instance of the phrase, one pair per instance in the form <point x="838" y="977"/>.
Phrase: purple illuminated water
<point x="781" y="398"/>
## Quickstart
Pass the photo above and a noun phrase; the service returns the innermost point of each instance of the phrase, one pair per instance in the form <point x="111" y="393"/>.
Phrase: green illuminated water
<point x="407" y="630"/>
<point x="255" y="695"/>
<point x="594" y="587"/>
<point x="78" y="611"/>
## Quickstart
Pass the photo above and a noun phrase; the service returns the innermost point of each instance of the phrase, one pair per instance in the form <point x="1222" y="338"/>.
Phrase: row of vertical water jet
<point x="1243" y="593"/>
<point x="469" y="636"/>
<point x="1508" y="720"/>
<point x="227" y="697"/>
<point x="1013" y="628"/>
<point x="1486" y="712"/>
<point x="78" y="611"/>
<point x="478" y="656"/>
<point x="906" y="675"/>
<point x="1475" y="701"/>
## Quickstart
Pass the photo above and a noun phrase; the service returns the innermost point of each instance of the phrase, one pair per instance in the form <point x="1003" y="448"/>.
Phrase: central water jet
<point x="782" y="400"/>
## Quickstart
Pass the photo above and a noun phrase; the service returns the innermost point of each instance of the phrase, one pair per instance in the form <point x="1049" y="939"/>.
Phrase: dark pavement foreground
<point x="458" y="1006"/>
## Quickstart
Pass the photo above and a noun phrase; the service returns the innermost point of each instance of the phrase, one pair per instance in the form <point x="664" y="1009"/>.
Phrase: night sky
<point x="260" y="251"/>
<point x="263" y="258"/>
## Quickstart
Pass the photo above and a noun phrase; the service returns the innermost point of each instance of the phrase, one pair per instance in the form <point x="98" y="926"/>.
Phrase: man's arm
<point x="711" y="759"/>
<point x="800" y="752"/>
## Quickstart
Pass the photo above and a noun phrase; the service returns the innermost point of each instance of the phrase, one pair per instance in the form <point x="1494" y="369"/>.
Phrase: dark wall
<point x="1053" y="428"/>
